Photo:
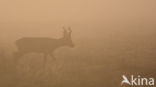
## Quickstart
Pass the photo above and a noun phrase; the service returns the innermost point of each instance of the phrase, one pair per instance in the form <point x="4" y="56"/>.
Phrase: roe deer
<point x="43" y="45"/>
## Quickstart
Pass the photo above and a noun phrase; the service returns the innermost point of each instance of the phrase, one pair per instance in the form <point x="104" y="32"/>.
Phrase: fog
<point x="111" y="38"/>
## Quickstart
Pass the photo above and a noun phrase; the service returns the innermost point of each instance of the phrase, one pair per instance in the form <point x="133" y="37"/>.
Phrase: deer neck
<point x="61" y="42"/>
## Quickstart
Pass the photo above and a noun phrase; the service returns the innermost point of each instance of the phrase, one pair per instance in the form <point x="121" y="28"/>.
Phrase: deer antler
<point x="65" y="31"/>
<point x="69" y="29"/>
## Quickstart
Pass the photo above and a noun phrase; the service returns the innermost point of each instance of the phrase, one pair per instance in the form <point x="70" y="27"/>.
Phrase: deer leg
<point x="17" y="55"/>
<point x="45" y="59"/>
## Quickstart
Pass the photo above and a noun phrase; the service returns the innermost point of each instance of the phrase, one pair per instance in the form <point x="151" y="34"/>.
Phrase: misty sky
<point x="90" y="18"/>
<point x="76" y="10"/>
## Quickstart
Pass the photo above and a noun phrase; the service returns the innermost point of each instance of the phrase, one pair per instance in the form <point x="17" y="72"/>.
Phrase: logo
<point x="137" y="81"/>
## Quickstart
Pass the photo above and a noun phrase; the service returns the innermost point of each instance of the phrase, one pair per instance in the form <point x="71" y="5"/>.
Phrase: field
<point x="91" y="63"/>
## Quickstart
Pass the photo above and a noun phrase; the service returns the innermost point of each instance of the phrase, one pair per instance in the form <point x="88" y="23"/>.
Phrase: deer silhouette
<point x="43" y="45"/>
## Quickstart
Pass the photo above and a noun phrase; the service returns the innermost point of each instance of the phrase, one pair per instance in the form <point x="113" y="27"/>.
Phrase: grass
<point x="84" y="66"/>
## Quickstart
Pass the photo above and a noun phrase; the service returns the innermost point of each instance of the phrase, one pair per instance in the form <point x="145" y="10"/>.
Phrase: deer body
<point x="42" y="45"/>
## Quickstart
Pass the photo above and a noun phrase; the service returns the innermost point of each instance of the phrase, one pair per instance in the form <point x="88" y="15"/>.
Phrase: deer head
<point x="67" y="37"/>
